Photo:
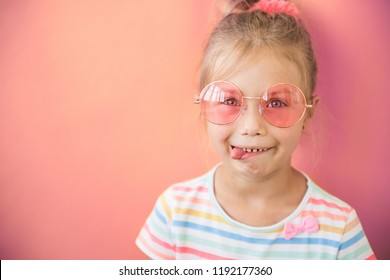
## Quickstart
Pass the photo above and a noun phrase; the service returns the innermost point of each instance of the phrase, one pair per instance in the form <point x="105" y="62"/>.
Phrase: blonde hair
<point x="243" y="35"/>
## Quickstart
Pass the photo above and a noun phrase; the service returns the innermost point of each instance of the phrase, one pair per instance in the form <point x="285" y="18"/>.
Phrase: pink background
<point x="96" y="118"/>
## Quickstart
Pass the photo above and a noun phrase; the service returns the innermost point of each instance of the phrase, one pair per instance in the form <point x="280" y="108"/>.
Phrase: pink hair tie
<point x="276" y="7"/>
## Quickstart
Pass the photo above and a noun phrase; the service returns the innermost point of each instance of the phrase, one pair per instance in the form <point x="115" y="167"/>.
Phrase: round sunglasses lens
<point x="283" y="105"/>
<point x="220" y="102"/>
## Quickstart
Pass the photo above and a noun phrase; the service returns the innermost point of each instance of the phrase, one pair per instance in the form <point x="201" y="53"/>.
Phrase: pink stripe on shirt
<point x="329" y="204"/>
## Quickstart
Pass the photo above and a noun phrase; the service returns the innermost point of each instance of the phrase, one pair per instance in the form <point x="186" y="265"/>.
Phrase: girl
<point x="258" y="75"/>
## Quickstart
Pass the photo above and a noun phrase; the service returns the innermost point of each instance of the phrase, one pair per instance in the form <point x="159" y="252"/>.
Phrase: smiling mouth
<point x="244" y="153"/>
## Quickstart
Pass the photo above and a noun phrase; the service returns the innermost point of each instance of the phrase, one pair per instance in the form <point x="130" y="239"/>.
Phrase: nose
<point x="252" y="120"/>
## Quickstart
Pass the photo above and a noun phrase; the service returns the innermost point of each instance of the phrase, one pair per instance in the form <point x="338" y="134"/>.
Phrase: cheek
<point x="213" y="134"/>
<point x="290" y="139"/>
<point x="218" y="136"/>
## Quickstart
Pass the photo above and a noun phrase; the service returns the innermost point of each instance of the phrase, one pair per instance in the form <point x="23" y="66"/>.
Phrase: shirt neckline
<point x="231" y="221"/>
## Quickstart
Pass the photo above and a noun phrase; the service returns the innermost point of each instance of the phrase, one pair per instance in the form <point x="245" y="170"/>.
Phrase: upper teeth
<point x="254" y="150"/>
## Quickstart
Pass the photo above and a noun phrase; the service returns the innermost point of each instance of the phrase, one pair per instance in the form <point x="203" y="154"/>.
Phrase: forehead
<point x="263" y="72"/>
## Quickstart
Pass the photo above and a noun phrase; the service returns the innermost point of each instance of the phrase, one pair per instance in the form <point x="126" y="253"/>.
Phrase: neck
<point x="273" y="185"/>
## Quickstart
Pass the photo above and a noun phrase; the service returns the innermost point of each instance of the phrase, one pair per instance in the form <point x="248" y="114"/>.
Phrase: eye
<point x="276" y="103"/>
<point x="231" y="102"/>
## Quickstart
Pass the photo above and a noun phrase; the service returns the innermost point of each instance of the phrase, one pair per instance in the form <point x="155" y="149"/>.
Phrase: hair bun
<point x="276" y="7"/>
<point x="238" y="5"/>
<point x="244" y="5"/>
<point x="267" y="6"/>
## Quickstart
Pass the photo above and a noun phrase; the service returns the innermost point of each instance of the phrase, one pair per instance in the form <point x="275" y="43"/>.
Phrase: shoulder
<point x="322" y="200"/>
<point x="189" y="193"/>
<point x="194" y="186"/>
<point x="337" y="219"/>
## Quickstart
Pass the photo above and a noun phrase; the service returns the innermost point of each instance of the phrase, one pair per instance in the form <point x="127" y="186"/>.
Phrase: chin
<point x="251" y="169"/>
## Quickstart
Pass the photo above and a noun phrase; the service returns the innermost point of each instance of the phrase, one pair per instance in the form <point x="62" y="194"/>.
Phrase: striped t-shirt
<point x="188" y="223"/>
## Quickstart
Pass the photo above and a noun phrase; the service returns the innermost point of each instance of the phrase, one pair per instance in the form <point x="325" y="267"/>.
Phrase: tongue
<point x="237" y="153"/>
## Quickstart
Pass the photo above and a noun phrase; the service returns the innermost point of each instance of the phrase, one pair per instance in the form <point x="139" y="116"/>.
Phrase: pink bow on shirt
<point x="309" y="224"/>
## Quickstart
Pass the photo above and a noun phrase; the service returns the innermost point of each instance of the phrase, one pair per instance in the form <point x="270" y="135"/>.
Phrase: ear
<point x="315" y="100"/>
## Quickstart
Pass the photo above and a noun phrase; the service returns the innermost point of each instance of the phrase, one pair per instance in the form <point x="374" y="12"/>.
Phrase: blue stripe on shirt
<point x="352" y="241"/>
<point x="252" y="240"/>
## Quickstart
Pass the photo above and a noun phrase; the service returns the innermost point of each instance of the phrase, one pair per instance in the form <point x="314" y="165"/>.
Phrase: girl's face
<point x="250" y="146"/>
